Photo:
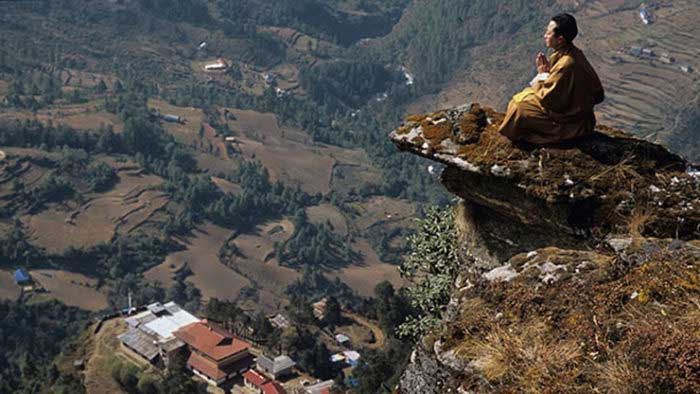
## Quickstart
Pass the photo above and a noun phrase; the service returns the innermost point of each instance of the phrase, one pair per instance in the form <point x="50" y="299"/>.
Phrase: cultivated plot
<point x="70" y="288"/>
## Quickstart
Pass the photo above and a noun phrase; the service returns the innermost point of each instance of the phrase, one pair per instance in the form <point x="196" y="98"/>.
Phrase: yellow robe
<point x="559" y="108"/>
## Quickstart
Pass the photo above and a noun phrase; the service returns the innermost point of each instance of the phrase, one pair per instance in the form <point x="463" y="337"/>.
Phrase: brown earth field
<point x="8" y="288"/>
<point x="214" y="165"/>
<point x="326" y="212"/>
<point x="186" y="133"/>
<point x="3" y="88"/>
<point x="71" y="288"/>
<point x="226" y="186"/>
<point x="256" y="260"/>
<point x="86" y="117"/>
<point x="289" y="154"/>
<point x="384" y="211"/>
<point x="128" y="205"/>
<point x="365" y="276"/>
<point x="210" y="276"/>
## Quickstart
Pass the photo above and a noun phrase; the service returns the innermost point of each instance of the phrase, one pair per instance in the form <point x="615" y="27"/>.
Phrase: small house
<point x="277" y="367"/>
<point x="320" y="388"/>
<point x="338" y="357"/>
<point x="686" y="68"/>
<point x="342" y="339"/>
<point x="636" y="51"/>
<point x="352" y="357"/>
<point x="320" y="308"/>
<point x="22" y="277"/>
<point x="666" y="58"/>
<point x="646" y="16"/>
<point x="280" y="321"/>
<point x="261" y="384"/>
<point x="219" y="65"/>
<point x="172" y="118"/>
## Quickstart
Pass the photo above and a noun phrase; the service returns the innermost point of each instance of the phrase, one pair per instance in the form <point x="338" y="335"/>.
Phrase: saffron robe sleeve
<point x="557" y="109"/>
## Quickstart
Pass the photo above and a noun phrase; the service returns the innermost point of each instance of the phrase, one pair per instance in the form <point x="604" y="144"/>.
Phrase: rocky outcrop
<point x="583" y="267"/>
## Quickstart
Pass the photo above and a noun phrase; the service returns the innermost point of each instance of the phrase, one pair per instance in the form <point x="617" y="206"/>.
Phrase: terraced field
<point x="132" y="202"/>
<point x="70" y="288"/>
<point x="644" y="94"/>
<point x="213" y="278"/>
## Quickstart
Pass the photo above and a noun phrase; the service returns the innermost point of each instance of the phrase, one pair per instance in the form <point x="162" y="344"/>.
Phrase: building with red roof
<point x="273" y="387"/>
<point x="261" y="384"/>
<point x="216" y="355"/>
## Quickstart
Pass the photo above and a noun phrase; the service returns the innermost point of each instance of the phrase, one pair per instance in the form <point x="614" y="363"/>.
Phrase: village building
<point x="352" y="358"/>
<point x="646" y="16"/>
<point x="150" y="333"/>
<point x="278" y="367"/>
<point x="216" y="355"/>
<point x="172" y="118"/>
<point x="686" y="68"/>
<point x="320" y="308"/>
<point x="219" y="65"/>
<point x="279" y="321"/>
<point x="320" y="388"/>
<point x="666" y="58"/>
<point x="22" y="277"/>
<point x="342" y="339"/>
<point x="338" y="357"/>
<point x="261" y="384"/>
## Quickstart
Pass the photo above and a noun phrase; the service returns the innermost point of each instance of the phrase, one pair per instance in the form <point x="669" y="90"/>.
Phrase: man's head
<point x="561" y="30"/>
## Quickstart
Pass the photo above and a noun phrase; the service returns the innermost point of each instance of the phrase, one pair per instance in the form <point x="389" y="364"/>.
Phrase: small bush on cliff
<point x="432" y="268"/>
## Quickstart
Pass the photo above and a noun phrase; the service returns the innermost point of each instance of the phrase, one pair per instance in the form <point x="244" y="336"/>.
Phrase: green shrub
<point x="432" y="267"/>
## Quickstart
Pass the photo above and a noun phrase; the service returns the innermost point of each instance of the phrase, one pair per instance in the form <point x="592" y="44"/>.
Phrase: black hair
<point x="566" y="26"/>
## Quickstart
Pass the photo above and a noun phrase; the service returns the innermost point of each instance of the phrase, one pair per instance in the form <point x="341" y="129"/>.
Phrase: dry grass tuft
<point x="526" y="356"/>
<point x="617" y="376"/>
<point x="637" y="220"/>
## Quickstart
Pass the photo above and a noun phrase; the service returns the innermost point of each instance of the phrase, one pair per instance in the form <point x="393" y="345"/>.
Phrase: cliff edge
<point x="579" y="267"/>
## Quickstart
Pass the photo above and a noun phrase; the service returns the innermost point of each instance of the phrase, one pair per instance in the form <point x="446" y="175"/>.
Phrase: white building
<point x="150" y="332"/>
<point x="219" y="65"/>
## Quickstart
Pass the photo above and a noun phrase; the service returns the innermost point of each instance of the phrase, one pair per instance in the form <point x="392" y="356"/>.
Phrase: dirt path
<point x="98" y="369"/>
<point x="379" y="338"/>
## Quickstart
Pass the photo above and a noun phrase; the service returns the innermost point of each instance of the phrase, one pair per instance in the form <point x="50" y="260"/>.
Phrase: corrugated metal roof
<point x="319" y="387"/>
<point x="166" y="324"/>
<point x="140" y="342"/>
<point x="280" y="363"/>
<point x="142" y="318"/>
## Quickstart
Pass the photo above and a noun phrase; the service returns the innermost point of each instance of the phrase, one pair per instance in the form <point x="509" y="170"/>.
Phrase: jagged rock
<point x="634" y="312"/>
<point x="568" y="195"/>
<point x="426" y="375"/>
<point x="581" y="272"/>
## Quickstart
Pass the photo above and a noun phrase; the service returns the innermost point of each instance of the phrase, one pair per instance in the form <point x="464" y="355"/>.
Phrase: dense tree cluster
<point x="314" y="285"/>
<point x="30" y="337"/>
<point x="381" y="369"/>
<point x="314" y="244"/>
<point x="347" y="83"/>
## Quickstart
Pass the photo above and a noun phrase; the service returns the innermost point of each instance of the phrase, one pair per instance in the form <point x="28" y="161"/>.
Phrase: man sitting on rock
<point x="558" y="105"/>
